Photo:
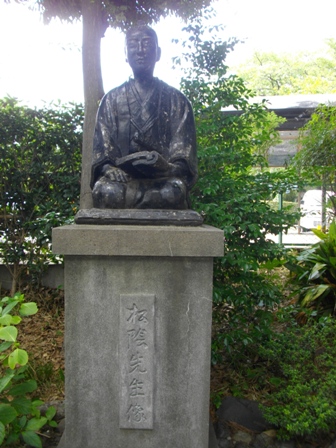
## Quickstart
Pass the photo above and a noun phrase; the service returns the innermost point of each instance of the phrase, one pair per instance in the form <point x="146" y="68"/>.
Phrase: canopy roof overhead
<point x="297" y="109"/>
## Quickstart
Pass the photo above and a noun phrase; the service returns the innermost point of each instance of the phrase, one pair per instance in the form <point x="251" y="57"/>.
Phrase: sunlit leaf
<point x="6" y="319"/>
<point x="28" y="309"/>
<point x="17" y="357"/>
<point x="317" y="271"/>
<point x="35" y="424"/>
<point x="6" y="379"/>
<point x="9" y="307"/>
<point x="314" y="293"/>
<point x="8" y="333"/>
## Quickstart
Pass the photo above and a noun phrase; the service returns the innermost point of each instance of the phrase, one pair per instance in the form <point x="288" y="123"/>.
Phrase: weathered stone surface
<point x="242" y="436"/>
<point x="222" y="430"/>
<point x="212" y="436"/>
<point x="139" y="217"/>
<point x="285" y="444"/>
<point x="136" y="361"/>
<point x="244" y="412"/>
<point x="94" y="285"/>
<point x="225" y="443"/>
<point x="159" y="241"/>
<point x="264" y="440"/>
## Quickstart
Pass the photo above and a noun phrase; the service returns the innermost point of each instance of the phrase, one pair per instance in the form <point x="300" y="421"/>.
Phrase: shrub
<point x="234" y="188"/>
<point x="19" y="414"/>
<point x="315" y="273"/>
<point x="302" y="361"/>
<point x="39" y="181"/>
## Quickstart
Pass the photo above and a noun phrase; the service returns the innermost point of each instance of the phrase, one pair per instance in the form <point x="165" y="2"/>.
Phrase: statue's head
<point x="142" y="49"/>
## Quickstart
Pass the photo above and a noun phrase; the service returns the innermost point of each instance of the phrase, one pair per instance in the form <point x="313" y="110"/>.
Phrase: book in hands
<point x="148" y="163"/>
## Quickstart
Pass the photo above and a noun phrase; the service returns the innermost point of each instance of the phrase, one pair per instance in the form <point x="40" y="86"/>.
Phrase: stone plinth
<point x="138" y="328"/>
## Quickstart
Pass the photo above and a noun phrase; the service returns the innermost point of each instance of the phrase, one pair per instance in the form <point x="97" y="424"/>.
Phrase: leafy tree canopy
<point x="284" y="74"/>
<point x="317" y="156"/>
<point x="231" y="192"/>
<point x="122" y="13"/>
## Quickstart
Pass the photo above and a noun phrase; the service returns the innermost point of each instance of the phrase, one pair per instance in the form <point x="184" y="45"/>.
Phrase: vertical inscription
<point x="136" y="361"/>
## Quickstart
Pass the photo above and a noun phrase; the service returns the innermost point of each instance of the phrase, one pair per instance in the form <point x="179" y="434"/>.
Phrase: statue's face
<point x="142" y="51"/>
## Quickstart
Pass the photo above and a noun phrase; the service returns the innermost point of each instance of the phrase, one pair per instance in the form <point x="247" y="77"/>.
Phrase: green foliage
<point x="303" y="397"/>
<point x="39" y="181"/>
<point x="19" y="414"/>
<point x="317" y="139"/>
<point x="284" y="74"/>
<point x="123" y="13"/>
<point x="315" y="273"/>
<point x="231" y="193"/>
<point x="317" y="157"/>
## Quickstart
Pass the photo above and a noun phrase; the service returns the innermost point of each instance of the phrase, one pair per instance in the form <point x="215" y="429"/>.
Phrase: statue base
<point x="139" y="217"/>
<point x="138" y="303"/>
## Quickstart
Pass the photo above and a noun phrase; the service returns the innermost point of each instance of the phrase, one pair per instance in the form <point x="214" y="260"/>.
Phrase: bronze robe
<point x="163" y="121"/>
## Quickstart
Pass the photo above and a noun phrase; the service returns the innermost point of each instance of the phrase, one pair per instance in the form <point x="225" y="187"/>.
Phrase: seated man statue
<point x="144" y="152"/>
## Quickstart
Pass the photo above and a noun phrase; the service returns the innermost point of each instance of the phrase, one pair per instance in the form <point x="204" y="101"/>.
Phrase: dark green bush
<point x="234" y="189"/>
<point x="302" y="363"/>
<point x="40" y="152"/>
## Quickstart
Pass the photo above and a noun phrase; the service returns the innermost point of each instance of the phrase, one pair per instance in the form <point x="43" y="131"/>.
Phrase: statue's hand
<point x="115" y="174"/>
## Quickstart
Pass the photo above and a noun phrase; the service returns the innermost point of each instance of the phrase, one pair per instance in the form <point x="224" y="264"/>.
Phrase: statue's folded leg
<point x="161" y="193"/>
<point x="109" y="194"/>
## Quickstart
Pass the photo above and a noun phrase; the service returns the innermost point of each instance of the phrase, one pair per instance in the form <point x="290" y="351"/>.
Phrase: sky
<point x="42" y="63"/>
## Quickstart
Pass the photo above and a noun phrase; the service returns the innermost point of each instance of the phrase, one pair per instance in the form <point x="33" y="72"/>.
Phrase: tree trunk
<point x="94" y="27"/>
<point x="15" y="272"/>
<point x="324" y="207"/>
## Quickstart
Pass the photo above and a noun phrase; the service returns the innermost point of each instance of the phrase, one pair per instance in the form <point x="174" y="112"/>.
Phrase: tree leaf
<point x="7" y="413"/>
<point x="333" y="261"/>
<point x="2" y="433"/>
<point x="32" y="439"/>
<point x="9" y="307"/>
<point x="23" y="388"/>
<point x="28" y="309"/>
<point x="314" y="293"/>
<point x="320" y="234"/>
<point x="6" y="319"/>
<point x="35" y="424"/>
<point x="16" y="320"/>
<point x="22" y="405"/>
<point x="332" y="230"/>
<point x="8" y="333"/>
<point x="6" y="379"/>
<point x="5" y="345"/>
<point x="51" y="412"/>
<point x="317" y="271"/>
<point x="17" y="357"/>
<point x="12" y="438"/>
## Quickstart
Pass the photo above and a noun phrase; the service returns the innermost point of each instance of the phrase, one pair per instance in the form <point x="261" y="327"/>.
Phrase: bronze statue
<point x="144" y="152"/>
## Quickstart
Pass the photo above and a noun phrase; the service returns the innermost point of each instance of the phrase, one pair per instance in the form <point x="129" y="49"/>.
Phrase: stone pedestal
<point x="138" y="327"/>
